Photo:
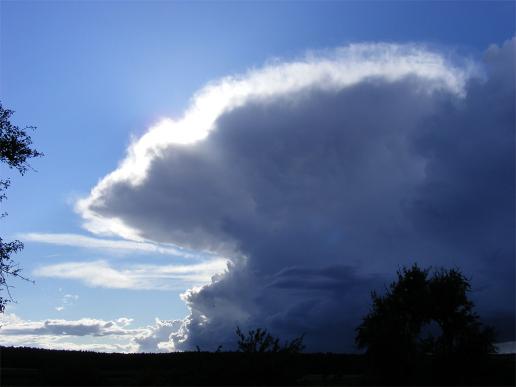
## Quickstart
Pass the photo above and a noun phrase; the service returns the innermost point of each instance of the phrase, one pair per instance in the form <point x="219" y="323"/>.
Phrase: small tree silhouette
<point x="392" y="332"/>
<point x="15" y="151"/>
<point x="260" y="340"/>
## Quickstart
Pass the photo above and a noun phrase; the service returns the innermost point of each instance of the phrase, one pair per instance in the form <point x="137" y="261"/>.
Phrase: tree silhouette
<point x="423" y="315"/>
<point x="15" y="151"/>
<point x="259" y="340"/>
<point x="461" y="329"/>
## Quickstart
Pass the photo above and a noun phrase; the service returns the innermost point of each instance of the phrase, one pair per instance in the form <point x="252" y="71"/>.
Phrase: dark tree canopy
<point x="423" y="314"/>
<point x="15" y="151"/>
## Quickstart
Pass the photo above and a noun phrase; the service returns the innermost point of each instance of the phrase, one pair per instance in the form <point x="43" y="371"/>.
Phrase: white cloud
<point x="69" y="343"/>
<point x="506" y="347"/>
<point x="157" y="337"/>
<point x="87" y="334"/>
<point x="66" y="301"/>
<point x="144" y="277"/>
<point x="70" y="298"/>
<point x="127" y="246"/>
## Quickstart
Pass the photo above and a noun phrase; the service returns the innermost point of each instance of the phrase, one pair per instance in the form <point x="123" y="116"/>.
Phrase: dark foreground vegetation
<point x="29" y="367"/>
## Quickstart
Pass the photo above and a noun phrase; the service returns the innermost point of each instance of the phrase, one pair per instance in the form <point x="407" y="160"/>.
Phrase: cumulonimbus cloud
<point x="319" y="178"/>
<point x="344" y="68"/>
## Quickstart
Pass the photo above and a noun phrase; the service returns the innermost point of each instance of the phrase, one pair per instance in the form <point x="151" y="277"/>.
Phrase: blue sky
<point x="94" y="75"/>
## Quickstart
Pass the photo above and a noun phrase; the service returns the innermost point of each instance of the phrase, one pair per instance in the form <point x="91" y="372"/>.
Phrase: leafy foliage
<point x="393" y="331"/>
<point x="15" y="151"/>
<point x="259" y="341"/>
<point x="8" y="267"/>
<point x="15" y="143"/>
<point x="396" y="318"/>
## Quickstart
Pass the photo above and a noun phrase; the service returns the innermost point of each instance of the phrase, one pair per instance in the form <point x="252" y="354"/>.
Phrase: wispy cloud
<point x="67" y="300"/>
<point x="126" y="246"/>
<point x="145" y="277"/>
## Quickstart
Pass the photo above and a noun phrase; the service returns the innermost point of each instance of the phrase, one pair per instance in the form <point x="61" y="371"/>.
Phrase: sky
<point x="262" y="164"/>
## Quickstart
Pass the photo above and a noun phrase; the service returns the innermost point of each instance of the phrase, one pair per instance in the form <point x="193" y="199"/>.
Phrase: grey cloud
<point x="319" y="195"/>
<point x="82" y="327"/>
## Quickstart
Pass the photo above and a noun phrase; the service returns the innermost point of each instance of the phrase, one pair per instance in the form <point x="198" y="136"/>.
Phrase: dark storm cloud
<point x="319" y="194"/>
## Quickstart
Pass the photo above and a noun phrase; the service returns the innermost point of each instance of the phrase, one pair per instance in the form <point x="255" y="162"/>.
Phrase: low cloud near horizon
<point x="317" y="179"/>
<point x="101" y="336"/>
